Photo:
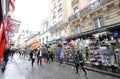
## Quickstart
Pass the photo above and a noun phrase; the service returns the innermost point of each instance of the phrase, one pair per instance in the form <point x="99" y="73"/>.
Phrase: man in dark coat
<point x="32" y="57"/>
<point x="6" y="58"/>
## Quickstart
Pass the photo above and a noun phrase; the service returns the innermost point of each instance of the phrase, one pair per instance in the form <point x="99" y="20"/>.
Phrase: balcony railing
<point x="74" y="16"/>
<point x="52" y="27"/>
<point x="95" y="5"/>
<point x="74" y="2"/>
<point x="57" y="25"/>
<point x="60" y="23"/>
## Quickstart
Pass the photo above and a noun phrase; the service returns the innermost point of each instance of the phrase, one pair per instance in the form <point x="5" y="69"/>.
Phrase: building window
<point x="77" y="29"/>
<point x="76" y="12"/>
<point x="63" y="32"/>
<point x="53" y="1"/>
<point x="43" y="40"/>
<point x="60" y="7"/>
<point x="54" y="15"/>
<point x="54" y="5"/>
<point x="60" y="17"/>
<point x="46" y="38"/>
<point x="76" y="9"/>
<point x="54" y="36"/>
<point x="95" y="4"/>
<point x="40" y="41"/>
<point x="99" y="22"/>
<point x="56" y="33"/>
<point x="59" y="0"/>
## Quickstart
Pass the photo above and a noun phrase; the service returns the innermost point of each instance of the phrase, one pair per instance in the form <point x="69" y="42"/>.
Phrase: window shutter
<point x="101" y="21"/>
<point x="96" y="23"/>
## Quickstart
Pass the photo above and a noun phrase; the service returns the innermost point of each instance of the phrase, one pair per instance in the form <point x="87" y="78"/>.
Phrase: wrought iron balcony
<point x="53" y="27"/>
<point x="92" y="7"/>
<point x="74" y="2"/>
<point x="74" y="16"/>
<point x="60" y="23"/>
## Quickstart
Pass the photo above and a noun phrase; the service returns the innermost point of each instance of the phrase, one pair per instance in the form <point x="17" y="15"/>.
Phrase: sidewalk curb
<point x="96" y="70"/>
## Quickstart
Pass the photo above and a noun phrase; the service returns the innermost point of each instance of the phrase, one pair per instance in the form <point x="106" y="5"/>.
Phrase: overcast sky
<point x="31" y="13"/>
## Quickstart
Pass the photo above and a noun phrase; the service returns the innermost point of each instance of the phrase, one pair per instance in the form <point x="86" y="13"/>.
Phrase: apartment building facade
<point x="70" y="18"/>
<point x="45" y="35"/>
<point x="58" y="19"/>
<point x="96" y="15"/>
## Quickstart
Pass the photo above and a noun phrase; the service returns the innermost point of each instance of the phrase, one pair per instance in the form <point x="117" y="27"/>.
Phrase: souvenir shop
<point x="100" y="47"/>
<point x="4" y="13"/>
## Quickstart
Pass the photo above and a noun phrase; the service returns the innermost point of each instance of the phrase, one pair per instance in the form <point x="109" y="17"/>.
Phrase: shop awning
<point x="34" y="45"/>
<point x="94" y="31"/>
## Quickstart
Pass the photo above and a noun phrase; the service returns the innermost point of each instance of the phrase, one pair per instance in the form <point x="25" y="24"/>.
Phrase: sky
<point x="31" y="13"/>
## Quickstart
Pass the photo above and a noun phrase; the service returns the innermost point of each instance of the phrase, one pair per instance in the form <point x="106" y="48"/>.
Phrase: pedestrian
<point x="19" y="53"/>
<point x="51" y="56"/>
<point x="58" y="55"/>
<point x="22" y="54"/>
<point x="39" y="56"/>
<point x="79" y="62"/>
<point x="32" y="57"/>
<point x="73" y="56"/>
<point x="25" y="52"/>
<point x="12" y="52"/>
<point x="62" y="58"/>
<point x="5" y="58"/>
<point x="48" y="56"/>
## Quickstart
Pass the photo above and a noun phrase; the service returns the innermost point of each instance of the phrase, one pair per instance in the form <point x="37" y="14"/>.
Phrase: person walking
<point x="39" y="56"/>
<point x="48" y="56"/>
<point x="79" y="62"/>
<point x="74" y="65"/>
<point x="32" y="57"/>
<point x="19" y="53"/>
<point x="6" y="58"/>
<point x="62" y="58"/>
<point x="51" y="56"/>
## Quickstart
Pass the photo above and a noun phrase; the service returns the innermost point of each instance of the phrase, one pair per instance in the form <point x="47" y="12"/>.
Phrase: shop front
<point x="100" y="47"/>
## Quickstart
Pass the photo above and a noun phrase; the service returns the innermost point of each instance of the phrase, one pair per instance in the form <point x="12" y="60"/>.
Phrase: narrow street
<point x="81" y="32"/>
<point x="21" y="69"/>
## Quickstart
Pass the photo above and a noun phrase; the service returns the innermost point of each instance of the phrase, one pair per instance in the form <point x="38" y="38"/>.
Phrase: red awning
<point x="2" y="41"/>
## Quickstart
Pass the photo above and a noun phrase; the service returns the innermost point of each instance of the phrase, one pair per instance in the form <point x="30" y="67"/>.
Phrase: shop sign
<point x="12" y="26"/>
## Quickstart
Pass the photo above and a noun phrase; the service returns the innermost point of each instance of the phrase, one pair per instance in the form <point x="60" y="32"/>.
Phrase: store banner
<point x="2" y="49"/>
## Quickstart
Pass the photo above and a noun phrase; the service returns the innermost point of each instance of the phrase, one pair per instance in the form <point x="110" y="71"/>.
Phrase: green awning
<point x="54" y="41"/>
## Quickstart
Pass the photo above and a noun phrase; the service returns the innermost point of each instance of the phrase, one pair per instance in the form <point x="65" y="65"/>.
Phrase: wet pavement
<point x="20" y="68"/>
<point x="12" y="71"/>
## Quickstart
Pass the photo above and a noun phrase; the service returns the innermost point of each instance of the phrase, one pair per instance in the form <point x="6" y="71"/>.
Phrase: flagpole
<point x="14" y="20"/>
